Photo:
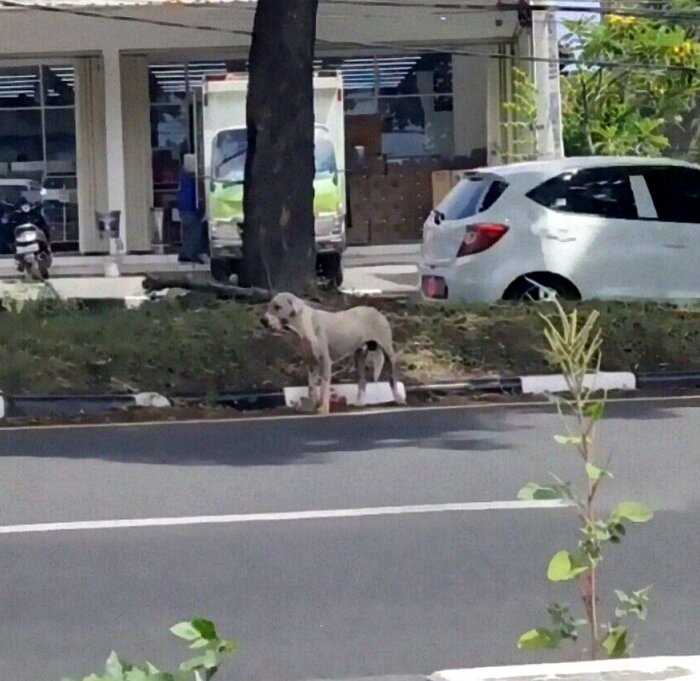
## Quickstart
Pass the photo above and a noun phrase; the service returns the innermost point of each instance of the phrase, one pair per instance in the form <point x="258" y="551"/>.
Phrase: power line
<point x="370" y="46"/>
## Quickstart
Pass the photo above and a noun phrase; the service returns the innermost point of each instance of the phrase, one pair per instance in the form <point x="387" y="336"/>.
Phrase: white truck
<point x="224" y="142"/>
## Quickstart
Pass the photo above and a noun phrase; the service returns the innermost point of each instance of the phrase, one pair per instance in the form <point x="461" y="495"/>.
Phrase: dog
<point x="327" y="337"/>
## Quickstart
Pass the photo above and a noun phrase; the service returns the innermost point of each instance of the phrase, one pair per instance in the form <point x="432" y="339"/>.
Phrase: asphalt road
<point x="327" y="597"/>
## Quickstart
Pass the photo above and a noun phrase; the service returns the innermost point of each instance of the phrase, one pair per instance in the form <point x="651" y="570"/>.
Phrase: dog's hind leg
<point x="393" y="376"/>
<point x="361" y="367"/>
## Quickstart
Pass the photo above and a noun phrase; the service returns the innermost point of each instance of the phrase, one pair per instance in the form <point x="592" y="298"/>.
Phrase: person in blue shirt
<point x="190" y="214"/>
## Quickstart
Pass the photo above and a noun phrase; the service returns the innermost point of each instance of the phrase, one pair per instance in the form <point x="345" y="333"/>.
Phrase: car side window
<point x="604" y="192"/>
<point x="676" y="193"/>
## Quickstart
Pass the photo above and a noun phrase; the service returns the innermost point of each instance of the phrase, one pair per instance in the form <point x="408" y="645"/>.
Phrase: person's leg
<point x="190" y="235"/>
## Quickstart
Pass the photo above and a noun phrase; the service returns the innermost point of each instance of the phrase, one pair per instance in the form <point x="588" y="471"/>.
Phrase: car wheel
<point x="222" y="268"/>
<point x="330" y="267"/>
<point x="539" y="288"/>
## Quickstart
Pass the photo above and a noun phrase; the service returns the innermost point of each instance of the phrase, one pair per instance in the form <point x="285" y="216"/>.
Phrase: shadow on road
<point x="266" y="443"/>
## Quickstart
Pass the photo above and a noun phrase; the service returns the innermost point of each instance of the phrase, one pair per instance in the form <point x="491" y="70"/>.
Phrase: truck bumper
<point x="221" y="248"/>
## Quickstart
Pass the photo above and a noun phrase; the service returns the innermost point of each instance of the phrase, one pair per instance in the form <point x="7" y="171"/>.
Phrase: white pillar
<point x="470" y="103"/>
<point x="545" y="47"/>
<point x="114" y="124"/>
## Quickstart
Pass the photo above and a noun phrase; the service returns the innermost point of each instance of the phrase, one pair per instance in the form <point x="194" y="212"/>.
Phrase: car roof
<point x="561" y="165"/>
<point x="527" y="175"/>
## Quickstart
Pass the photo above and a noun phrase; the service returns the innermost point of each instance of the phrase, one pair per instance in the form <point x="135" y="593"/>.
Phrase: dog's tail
<point x="377" y="359"/>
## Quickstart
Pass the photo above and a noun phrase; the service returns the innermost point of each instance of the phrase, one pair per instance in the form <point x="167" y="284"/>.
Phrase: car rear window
<point x="604" y="192"/>
<point x="676" y="193"/>
<point x="474" y="194"/>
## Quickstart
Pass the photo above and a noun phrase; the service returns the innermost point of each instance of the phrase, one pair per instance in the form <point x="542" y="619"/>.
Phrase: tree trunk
<point x="278" y="234"/>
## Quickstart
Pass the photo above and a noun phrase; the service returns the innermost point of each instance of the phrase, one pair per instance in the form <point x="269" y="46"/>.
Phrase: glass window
<point x="474" y="194"/>
<point x="21" y="140"/>
<point x="167" y="83"/>
<point x="676" y="193"/>
<point x="605" y="192"/>
<point x="169" y="128"/>
<point x="324" y="155"/>
<point x="229" y="154"/>
<point x="19" y="87"/>
<point x="60" y="140"/>
<point x="412" y="127"/>
<point x="59" y="85"/>
<point x="415" y="75"/>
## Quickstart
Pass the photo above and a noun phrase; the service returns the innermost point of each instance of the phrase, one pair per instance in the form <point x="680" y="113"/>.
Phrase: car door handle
<point x="676" y="246"/>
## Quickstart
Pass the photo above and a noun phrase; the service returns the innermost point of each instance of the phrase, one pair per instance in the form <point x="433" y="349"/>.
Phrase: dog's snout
<point x="265" y="322"/>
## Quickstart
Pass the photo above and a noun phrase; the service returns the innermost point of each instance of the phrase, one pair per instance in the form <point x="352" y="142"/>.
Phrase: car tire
<point x="330" y="267"/>
<point x="533" y="289"/>
<point x="222" y="268"/>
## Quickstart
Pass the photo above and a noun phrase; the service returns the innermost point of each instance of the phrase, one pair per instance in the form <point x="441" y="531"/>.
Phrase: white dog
<point x="327" y="337"/>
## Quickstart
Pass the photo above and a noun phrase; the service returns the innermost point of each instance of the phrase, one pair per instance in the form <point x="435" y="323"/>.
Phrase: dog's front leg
<point x="314" y="383"/>
<point x="326" y="374"/>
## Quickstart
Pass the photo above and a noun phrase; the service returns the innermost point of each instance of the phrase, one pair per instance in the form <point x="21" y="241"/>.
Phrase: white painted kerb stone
<point x="377" y="393"/>
<point x="639" y="669"/>
<point x="605" y="380"/>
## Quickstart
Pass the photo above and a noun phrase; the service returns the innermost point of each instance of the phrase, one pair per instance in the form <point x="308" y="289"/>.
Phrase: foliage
<point x="634" y="88"/>
<point x="188" y="347"/>
<point x="522" y="119"/>
<point x="575" y="346"/>
<point x="200" y="634"/>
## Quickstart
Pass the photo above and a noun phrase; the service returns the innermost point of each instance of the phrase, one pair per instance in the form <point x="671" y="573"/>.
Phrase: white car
<point x="598" y="227"/>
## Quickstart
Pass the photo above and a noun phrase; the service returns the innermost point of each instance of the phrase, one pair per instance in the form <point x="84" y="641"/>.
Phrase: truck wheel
<point x="330" y="267"/>
<point x="221" y="269"/>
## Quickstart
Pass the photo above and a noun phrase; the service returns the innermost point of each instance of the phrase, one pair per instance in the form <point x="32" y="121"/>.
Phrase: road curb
<point x="75" y="406"/>
<point x="632" y="669"/>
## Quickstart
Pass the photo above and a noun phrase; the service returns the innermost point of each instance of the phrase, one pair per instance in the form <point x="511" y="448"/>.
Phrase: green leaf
<point x="205" y="628"/>
<point x="564" y="567"/>
<point x="633" y="511"/>
<point x="200" y="643"/>
<point x="186" y="631"/>
<point x="615" y="643"/>
<point x="114" y="667"/>
<point x="534" y="491"/>
<point x="537" y="639"/>
<point x="209" y="660"/>
<point x="595" y="473"/>
<point x="595" y="411"/>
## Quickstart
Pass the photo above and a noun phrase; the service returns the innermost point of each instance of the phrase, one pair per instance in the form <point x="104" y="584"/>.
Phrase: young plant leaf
<point x="615" y="643"/>
<point x="594" y="473"/>
<point x="538" y="639"/>
<point x="534" y="491"/>
<point x="185" y="631"/>
<point x="632" y="511"/>
<point x="564" y="567"/>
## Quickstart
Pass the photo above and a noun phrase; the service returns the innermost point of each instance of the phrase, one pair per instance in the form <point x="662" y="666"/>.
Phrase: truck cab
<point x="225" y="148"/>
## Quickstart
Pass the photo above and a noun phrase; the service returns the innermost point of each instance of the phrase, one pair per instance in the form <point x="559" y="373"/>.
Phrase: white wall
<point x="51" y="32"/>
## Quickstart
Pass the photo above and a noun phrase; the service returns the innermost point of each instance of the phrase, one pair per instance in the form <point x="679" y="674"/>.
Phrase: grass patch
<point x="203" y="346"/>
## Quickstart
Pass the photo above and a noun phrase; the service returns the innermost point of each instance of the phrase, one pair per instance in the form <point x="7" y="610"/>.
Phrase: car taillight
<point x="480" y="237"/>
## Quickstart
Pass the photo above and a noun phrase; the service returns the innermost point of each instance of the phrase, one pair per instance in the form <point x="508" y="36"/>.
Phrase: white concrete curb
<point x="151" y="400"/>
<point x="605" y="380"/>
<point x="636" y="669"/>
<point x="377" y="393"/>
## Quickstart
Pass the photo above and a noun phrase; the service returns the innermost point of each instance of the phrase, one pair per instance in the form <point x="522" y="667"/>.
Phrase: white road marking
<point x="355" y="413"/>
<point x="284" y="516"/>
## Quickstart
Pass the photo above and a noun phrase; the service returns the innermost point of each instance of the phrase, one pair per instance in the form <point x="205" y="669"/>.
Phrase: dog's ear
<point x="297" y="306"/>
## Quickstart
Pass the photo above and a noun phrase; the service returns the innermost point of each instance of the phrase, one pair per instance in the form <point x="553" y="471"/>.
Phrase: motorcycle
<point x="31" y="239"/>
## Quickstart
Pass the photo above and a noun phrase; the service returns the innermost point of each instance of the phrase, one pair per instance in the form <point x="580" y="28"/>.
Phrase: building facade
<point x="98" y="103"/>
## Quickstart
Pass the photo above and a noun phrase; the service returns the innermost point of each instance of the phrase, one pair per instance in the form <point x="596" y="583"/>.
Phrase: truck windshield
<point x="230" y="147"/>
<point x="228" y="159"/>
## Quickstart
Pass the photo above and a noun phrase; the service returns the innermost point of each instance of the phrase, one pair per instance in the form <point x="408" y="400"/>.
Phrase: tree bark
<point x="278" y="233"/>
<point x="250" y="295"/>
